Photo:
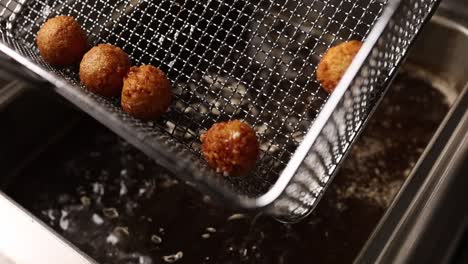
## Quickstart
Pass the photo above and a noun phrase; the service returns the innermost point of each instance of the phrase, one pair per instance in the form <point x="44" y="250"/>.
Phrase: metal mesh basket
<point x="229" y="59"/>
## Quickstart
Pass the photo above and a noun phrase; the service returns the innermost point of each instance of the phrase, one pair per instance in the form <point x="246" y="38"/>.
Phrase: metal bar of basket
<point x="325" y="114"/>
<point x="149" y="138"/>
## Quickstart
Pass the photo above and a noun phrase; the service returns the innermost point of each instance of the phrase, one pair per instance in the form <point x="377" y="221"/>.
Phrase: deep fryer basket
<point x="231" y="59"/>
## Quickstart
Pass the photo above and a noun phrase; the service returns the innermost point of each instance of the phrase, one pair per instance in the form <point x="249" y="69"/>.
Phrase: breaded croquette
<point x="231" y="147"/>
<point x="335" y="62"/>
<point x="61" y="41"/>
<point x="103" y="69"/>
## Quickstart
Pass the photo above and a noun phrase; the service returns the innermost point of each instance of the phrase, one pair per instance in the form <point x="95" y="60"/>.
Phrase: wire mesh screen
<point x="249" y="60"/>
<point x="349" y="115"/>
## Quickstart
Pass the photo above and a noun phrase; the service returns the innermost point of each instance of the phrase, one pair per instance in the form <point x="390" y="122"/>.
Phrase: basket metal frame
<point x="314" y="163"/>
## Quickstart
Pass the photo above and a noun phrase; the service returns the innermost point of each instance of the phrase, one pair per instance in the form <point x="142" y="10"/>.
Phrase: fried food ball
<point x="61" y="41"/>
<point x="103" y="69"/>
<point x="231" y="147"/>
<point x="146" y="92"/>
<point x="335" y="62"/>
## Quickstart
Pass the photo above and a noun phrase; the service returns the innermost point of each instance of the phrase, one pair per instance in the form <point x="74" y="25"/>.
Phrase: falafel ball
<point x="103" y="69"/>
<point x="146" y="92"/>
<point x="335" y="62"/>
<point x="231" y="147"/>
<point x="61" y="41"/>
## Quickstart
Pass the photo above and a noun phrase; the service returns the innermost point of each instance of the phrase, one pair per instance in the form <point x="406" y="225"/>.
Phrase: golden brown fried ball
<point x="146" y="92"/>
<point x="61" y="41"/>
<point x="335" y="62"/>
<point x="231" y="147"/>
<point x="103" y="69"/>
